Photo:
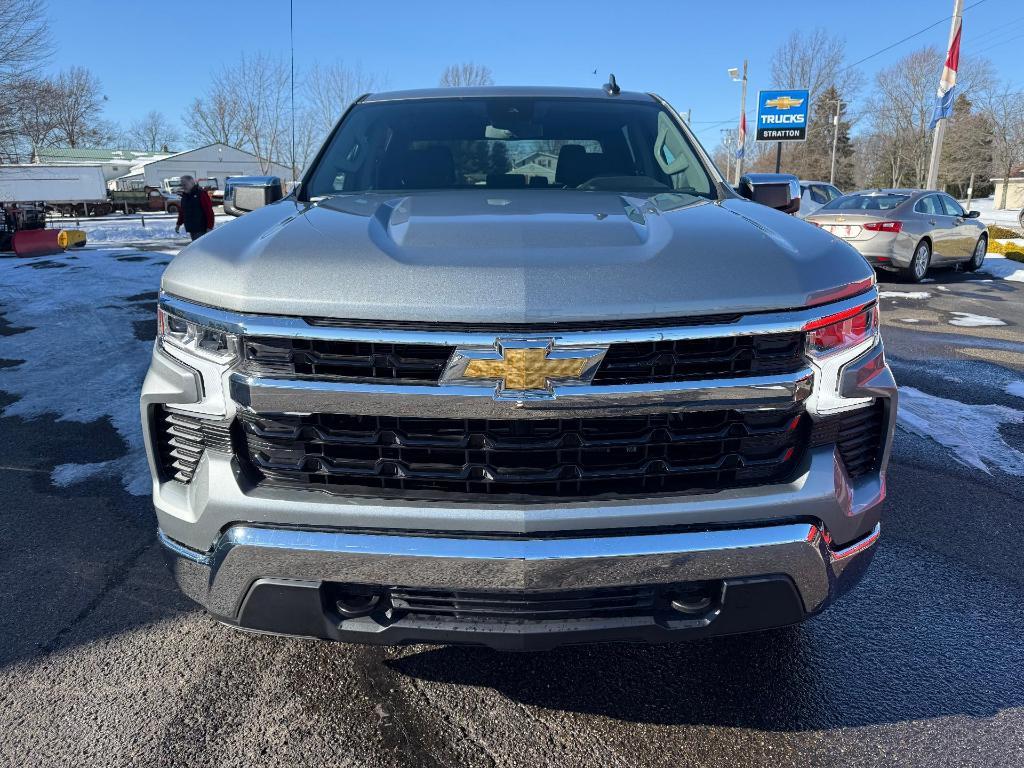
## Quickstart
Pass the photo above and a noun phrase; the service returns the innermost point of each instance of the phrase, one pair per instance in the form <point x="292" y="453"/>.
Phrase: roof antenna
<point x="611" y="87"/>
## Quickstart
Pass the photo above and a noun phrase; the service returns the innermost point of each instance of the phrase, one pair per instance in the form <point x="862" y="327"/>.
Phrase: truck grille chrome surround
<point x="698" y="451"/>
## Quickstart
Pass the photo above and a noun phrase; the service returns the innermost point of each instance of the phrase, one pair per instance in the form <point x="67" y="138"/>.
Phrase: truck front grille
<point x="624" y="363"/>
<point x="699" y="451"/>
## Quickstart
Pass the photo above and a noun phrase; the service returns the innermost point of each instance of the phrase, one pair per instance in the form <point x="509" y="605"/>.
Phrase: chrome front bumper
<point x="246" y="557"/>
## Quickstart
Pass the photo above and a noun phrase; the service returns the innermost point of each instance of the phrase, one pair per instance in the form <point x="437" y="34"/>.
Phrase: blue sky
<point x="152" y="55"/>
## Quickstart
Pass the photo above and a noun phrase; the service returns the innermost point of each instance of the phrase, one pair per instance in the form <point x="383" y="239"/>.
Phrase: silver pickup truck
<point x="516" y="367"/>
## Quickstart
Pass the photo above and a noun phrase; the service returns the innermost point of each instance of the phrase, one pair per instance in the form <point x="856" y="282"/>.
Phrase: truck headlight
<point x="189" y="336"/>
<point x="833" y="342"/>
<point x="843" y="331"/>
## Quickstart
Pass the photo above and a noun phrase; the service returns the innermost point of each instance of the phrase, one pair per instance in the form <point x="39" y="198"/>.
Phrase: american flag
<point x="947" y="83"/>
<point x="741" y="137"/>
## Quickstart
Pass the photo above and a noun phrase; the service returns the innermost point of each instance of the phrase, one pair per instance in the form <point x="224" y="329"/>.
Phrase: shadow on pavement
<point x="872" y="658"/>
<point x="64" y="549"/>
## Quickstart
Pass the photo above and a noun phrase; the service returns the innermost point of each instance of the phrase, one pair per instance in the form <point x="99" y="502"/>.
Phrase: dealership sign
<point x="782" y="115"/>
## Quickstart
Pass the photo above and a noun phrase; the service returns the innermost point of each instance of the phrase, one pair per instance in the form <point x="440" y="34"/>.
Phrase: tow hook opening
<point x="356" y="603"/>
<point x="696" y="599"/>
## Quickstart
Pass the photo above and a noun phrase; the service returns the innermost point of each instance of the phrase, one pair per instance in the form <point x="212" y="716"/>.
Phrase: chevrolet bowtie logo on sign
<point x="784" y="102"/>
<point x="520" y="369"/>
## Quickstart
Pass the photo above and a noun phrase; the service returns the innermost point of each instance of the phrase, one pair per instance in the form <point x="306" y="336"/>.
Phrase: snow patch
<point x="970" y="432"/>
<point x="967" y="320"/>
<point x="83" y="361"/>
<point x="1015" y="388"/>
<point x="904" y="294"/>
<point x="909" y="320"/>
<point x="1003" y="268"/>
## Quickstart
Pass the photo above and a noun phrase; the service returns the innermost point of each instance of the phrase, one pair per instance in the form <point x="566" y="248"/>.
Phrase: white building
<point x="214" y="161"/>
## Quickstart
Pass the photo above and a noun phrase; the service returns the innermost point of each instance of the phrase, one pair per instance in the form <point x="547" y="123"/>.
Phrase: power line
<point x="908" y="37"/>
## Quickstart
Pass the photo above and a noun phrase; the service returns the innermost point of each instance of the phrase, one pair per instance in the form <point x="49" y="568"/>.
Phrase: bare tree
<point x="216" y="117"/>
<point x="34" y="110"/>
<point x="79" y="99"/>
<point x="24" y="40"/>
<point x="1003" y="107"/>
<point x="329" y="90"/>
<point x="814" y="61"/>
<point x="901" y="108"/>
<point x="467" y="73"/>
<point x="24" y="45"/>
<point x="262" y="89"/>
<point x="154" y="132"/>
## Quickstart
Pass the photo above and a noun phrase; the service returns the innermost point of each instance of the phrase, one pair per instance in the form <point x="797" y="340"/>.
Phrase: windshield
<point x="508" y="143"/>
<point x="883" y="202"/>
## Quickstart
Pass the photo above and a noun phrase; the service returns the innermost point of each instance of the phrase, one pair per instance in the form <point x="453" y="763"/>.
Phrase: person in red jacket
<point x="195" y="211"/>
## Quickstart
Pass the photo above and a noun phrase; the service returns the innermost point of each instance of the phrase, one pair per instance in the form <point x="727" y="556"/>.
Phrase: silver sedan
<point x="906" y="230"/>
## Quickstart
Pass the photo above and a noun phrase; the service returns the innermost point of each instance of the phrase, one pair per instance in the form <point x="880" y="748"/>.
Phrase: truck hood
<point x="512" y="256"/>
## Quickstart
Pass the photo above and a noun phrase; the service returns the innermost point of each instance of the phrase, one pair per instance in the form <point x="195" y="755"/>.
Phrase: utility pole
<point x="835" y="141"/>
<point x="940" y="127"/>
<point x="729" y="144"/>
<point x="741" y="134"/>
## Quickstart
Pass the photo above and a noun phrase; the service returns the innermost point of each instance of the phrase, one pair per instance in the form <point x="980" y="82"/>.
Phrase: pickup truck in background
<point x="517" y="367"/>
<point x="145" y="199"/>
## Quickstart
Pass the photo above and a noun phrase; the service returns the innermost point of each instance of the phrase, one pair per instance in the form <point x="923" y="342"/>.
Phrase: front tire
<point x="919" y="263"/>
<point x="978" y="257"/>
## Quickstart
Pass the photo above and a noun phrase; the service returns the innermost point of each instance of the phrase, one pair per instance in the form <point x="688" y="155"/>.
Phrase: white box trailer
<point x="66" y="188"/>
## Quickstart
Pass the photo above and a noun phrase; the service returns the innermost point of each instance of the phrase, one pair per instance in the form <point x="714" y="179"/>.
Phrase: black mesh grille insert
<point x="181" y="440"/>
<point x="322" y="359"/>
<point x="677" y="453"/>
<point x="691" y="359"/>
<point x="857" y="435"/>
<point x="626" y="363"/>
<point x="530" y="606"/>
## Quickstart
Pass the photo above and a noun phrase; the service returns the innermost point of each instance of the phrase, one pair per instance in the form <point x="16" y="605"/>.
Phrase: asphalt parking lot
<point x="102" y="662"/>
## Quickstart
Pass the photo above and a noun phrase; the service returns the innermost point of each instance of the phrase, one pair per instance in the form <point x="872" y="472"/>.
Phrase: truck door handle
<point x="931" y="221"/>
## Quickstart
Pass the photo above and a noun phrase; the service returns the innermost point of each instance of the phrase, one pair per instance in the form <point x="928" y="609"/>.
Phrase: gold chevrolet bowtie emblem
<point x="527" y="368"/>
<point x="523" y="367"/>
<point x="784" y="102"/>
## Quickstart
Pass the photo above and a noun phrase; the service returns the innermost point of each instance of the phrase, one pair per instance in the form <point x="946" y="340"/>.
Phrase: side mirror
<point x="973" y="214"/>
<point x="780" y="191"/>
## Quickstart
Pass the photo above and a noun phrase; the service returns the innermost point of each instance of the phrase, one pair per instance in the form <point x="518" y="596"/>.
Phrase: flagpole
<point x="741" y="133"/>
<point x="940" y="127"/>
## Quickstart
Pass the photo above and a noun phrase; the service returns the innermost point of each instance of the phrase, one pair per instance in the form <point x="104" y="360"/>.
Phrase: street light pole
<point x="835" y="141"/>
<point x="940" y="127"/>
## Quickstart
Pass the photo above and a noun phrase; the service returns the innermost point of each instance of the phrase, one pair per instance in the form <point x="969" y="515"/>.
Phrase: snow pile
<point x="131" y="231"/>
<point x="904" y="294"/>
<point x="82" y="359"/>
<point x="1003" y="268"/>
<point x="1015" y="388"/>
<point x="971" y="432"/>
<point x="967" y="320"/>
